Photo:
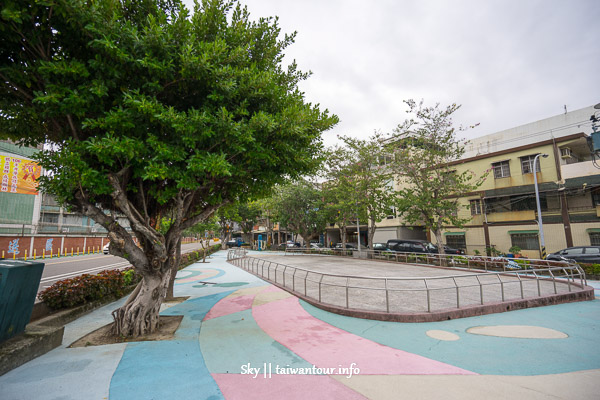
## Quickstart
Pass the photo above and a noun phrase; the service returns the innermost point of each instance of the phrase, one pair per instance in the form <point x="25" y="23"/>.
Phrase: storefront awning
<point x="532" y="231"/>
<point x="454" y="233"/>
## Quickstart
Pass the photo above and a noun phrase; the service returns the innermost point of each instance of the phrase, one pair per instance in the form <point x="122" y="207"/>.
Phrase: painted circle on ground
<point x="442" y="335"/>
<point x="183" y="274"/>
<point x="518" y="332"/>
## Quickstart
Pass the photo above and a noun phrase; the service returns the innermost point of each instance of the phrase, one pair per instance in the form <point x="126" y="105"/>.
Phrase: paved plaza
<point x="401" y="288"/>
<point x="243" y="338"/>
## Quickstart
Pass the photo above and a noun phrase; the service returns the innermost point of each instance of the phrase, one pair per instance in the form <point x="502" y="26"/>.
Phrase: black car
<point x="582" y="254"/>
<point x="411" y="246"/>
<point x="380" y="246"/>
<point x="450" y="250"/>
<point x="348" y="246"/>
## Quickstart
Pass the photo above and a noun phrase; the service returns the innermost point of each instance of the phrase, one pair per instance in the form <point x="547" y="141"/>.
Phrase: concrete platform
<point x="401" y="292"/>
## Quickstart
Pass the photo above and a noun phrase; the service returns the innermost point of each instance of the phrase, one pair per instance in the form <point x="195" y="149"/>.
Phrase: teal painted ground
<point x="494" y="355"/>
<point x="169" y="369"/>
<point x="234" y="340"/>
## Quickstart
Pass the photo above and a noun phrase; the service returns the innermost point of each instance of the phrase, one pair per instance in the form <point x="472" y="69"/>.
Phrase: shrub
<point x="83" y="288"/>
<point x="591" y="269"/>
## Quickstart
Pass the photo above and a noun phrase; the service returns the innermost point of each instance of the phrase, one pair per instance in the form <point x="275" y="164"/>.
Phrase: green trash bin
<point x="19" y="282"/>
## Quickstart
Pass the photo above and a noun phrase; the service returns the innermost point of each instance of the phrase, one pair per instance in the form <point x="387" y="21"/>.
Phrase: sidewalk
<point x="242" y="338"/>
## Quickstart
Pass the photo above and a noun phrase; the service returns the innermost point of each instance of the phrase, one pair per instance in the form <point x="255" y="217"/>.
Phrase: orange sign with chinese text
<point x="18" y="175"/>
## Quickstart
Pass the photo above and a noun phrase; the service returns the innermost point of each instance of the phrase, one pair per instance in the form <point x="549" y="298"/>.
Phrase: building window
<point x="527" y="164"/>
<point x="475" y="207"/>
<point x="50" y="218"/>
<point x="595" y="238"/>
<point x="501" y="169"/>
<point x="456" y="241"/>
<point x="526" y="241"/>
<point x="392" y="214"/>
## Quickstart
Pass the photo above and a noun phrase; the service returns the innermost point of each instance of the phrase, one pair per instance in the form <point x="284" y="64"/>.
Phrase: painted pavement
<point x="242" y="338"/>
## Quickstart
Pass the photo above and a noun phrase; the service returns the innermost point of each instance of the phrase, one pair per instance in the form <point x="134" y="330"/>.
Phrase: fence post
<point x="387" y="297"/>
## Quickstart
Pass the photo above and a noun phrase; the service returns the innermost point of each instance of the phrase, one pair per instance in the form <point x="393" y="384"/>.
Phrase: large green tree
<point x="430" y="185"/>
<point x="143" y="108"/>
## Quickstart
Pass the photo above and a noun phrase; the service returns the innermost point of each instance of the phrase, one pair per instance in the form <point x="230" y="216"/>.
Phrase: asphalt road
<point x="56" y="269"/>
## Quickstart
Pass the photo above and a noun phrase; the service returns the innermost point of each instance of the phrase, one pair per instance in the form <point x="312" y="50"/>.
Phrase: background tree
<point x="359" y="173"/>
<point x="266" y="207"/>
<point x="429" y="185"/>
<point x="299" y="207"/>
<point x="227" y="216"/>
<point x="248" y="215"/>
<point x="373" y="179"/>
<point x="144" y="109"/>
<point x="339" y="192"/>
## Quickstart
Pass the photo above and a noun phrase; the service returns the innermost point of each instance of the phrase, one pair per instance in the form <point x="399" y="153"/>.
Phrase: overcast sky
<point x="508" y="62"/>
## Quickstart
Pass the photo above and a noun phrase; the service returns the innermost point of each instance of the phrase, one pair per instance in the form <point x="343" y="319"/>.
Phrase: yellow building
<point x="503" y="210"/>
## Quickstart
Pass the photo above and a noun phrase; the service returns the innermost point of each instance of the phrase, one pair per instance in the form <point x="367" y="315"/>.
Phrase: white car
<point x="105" y="248"/>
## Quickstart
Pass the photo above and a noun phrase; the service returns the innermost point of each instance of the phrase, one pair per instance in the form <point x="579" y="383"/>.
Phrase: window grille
<point x="501" y="169"/>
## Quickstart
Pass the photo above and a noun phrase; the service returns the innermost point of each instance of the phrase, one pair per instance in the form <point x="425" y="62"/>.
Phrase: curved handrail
<point x="321" y="283"/>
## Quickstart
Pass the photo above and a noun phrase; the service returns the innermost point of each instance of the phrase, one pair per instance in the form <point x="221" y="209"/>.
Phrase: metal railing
<point x="414" y="294"/>
<point x="482" y="263"/>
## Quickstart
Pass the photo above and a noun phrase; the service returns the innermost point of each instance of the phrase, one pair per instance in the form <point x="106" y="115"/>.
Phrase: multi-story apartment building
<point x="503" y="211"/>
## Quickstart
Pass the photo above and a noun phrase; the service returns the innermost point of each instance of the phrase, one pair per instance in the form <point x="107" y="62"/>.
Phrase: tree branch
<point x="136" y="219"/>
<point x="119" y="235"/>
<point x="72" y="125"/>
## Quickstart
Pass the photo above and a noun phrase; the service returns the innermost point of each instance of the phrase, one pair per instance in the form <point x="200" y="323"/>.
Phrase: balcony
<point x="575" y="170"/>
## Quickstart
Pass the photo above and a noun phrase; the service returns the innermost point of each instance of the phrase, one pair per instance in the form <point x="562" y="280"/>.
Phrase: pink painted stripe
<point x="271" y="289"/>
<point x="326" y="346"/>
<point x="205" y="275"/>
<point x="288" y="387"/>
<point x="230" y="305"/>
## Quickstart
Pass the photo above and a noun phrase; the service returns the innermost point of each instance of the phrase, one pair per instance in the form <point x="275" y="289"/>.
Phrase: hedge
<point x="86" y="288"/>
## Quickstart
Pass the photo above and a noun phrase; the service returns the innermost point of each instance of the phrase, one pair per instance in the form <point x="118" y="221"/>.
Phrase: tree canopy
<point x="143" y="107"/>
<point x="429" y="184"/>
<point x="359" y="173"/>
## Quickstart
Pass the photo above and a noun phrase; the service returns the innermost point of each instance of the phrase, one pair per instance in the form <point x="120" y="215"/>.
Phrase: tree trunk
<point x="139" y="315"/>
<point x="174" y="269"/>
<point x="371" y="229"/>
<point x="440" y="245"/>
<point x="342" y="235"/>
<point x="440" y="242"/>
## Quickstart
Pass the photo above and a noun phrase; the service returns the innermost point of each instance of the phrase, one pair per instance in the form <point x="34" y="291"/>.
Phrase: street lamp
<point x="537" y="200"/>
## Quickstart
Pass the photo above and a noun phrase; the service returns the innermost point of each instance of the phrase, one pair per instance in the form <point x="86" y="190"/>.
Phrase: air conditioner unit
<point x="565" y="152"/>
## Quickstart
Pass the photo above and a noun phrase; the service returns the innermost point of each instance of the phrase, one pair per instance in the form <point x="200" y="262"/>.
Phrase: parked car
<point x="450" y="250"/>
<point x="411" y="246"/>
<point x="232" y="243"/>
<point x="582" y="254"/>
<point x="380" y="246"/>
<point x="316" y="245"/>
<point x="105" y="248"/>
<point x="348" y="246"/>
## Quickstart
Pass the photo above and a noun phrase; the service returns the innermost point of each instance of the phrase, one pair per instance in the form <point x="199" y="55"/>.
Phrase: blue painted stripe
<point x="169" y="369"/>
